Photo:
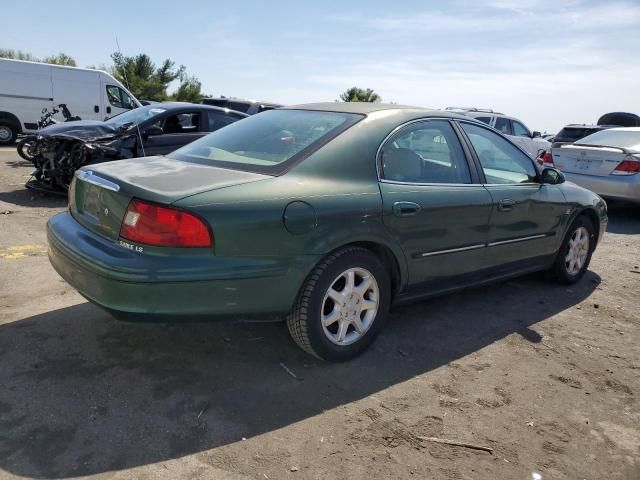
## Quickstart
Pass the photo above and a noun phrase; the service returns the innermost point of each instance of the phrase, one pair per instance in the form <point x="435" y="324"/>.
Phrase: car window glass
<point x="219" y="119"/>
<point x="261" y="142"/>
<point x="181" y="123"/>
<point x="501" y="161"/>
<point x="502" y="125"/>
<point x="113" y="94"/>
<point x="486" y="120"/>
<point x="425" y="152"/>
<point x="126" y="99"/>
<point x="519" y="129"/>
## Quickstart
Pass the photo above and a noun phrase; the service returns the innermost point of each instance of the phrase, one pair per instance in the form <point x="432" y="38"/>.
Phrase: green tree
<point x="60" y="59"/>
<point x="143" y="78"/>
<point x="189" y="90"/>
<point x="356" y="94"/>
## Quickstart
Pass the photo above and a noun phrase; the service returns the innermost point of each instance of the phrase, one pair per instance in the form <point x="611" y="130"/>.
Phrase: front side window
<point x="503" y="125"/>
<point x="185" y="122"/>
<point x="261" y="143"/>
<point x="425" y="152"/>
<point x="520" y="130"/>
<point x="501" y="161"/>
<point x="114" y="94"/>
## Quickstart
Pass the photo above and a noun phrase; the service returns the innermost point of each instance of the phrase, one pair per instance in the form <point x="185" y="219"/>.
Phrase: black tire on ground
<point x="305" y="320"/>
<point x="560" y="268"/>
<point x="25" y="147"/>
<point x="8" y="133"/>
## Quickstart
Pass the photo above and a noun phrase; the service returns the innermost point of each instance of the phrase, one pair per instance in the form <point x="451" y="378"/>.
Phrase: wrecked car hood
<point x="82" y="130"/>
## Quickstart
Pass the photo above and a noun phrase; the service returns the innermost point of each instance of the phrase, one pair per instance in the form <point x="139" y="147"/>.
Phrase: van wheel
<point x="8" y="133"/>
<point x="574" y="255"/>
<point x="342" y="305"/>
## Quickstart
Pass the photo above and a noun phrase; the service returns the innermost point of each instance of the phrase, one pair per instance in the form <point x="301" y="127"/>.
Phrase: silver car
<point x="605" y="162"/>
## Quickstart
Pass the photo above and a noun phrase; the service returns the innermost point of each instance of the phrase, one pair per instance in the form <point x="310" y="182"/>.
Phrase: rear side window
<point x="501" y="161"/>
<point x="503" y="125"/>
<point x="486" y="120"/>
<point x="261" y="143"/>
<point x="425" y="152"/>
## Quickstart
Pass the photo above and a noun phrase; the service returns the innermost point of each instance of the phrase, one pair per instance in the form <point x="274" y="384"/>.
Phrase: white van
<point x="28" y="87"/>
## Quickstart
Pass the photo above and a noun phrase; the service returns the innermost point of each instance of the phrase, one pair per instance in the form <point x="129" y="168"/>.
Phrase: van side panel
<point x="25" y="89"/>
<point x="79" y="90"/>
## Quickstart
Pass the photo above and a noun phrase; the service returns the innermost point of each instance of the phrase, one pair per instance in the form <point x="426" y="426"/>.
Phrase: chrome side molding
<point x="90" y="177"/>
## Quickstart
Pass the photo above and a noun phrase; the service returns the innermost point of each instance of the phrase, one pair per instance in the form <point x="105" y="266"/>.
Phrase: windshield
<point x="627" y="138"/>
<point x="263" y="142"/>
<point x="135" y="116"/>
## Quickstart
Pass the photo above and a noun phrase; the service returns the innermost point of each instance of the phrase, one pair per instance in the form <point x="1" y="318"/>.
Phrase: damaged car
<point x="156" y="129"/>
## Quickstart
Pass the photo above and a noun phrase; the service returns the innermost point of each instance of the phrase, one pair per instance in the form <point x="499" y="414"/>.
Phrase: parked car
<point x="530" y="142"/>
<point x="326" y="213"/>
<point x="620" y="119"/>
<point x="606" y="162"/>
<point x="250" y="107"/>
<point x="157" y="129"/>
<point x="26" y="88"/>
<point x="574" y="132"/>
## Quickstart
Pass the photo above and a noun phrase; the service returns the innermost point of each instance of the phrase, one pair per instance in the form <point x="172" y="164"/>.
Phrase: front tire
<point x="574" y="255"/>
<point x="342" y="305"/>
<point x="26" y="147"/>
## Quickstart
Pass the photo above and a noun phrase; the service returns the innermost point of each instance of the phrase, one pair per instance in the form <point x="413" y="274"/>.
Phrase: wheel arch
<point x="398" y="274"/>
<point x="12" y="118"/>
<point x="592" y="215"/>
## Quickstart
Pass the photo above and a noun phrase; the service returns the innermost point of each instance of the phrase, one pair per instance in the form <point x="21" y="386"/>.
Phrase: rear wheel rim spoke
<point x="350" y="306"/>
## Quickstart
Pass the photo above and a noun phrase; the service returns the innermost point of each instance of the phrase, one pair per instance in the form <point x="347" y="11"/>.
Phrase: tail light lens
<point x="629" y="166"/>
<point x="153" y="224"/>
<point x="545" y="159"/>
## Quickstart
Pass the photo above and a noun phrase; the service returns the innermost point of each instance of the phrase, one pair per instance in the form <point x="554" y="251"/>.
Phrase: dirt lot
<point x="547" y="376"/>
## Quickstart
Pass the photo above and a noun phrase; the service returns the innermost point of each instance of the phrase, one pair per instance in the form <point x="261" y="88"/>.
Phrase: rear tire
<point x="342" y="305"/>
<point x="574" y="255"/>
<point x="8" y="133"/>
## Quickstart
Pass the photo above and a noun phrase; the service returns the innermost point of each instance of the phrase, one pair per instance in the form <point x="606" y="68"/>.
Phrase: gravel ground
<point x="546" y="376"/>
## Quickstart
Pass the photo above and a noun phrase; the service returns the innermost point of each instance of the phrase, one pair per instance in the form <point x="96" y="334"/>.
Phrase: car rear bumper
<point x="617" y="187"/>
<point x="127" y="282"/>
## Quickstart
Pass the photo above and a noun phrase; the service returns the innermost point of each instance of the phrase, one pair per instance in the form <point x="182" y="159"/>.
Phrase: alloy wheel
<point x="578" y="251"/>
<point x="350" y="306"/>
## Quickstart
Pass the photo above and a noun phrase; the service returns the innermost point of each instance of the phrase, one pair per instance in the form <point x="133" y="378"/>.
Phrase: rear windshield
<point x="571" y="134"/>
<point x="614" y="138"/>
<point x="267" y="142"/>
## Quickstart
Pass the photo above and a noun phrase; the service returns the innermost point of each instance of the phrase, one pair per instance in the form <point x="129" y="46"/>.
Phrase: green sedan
<point x="326" y="213"/>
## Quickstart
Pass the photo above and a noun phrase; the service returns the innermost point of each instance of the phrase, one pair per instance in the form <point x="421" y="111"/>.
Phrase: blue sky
<point x="546" y="62"/>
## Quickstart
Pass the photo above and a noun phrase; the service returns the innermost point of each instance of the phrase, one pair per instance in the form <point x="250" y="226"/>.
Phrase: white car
<point x="606" y="162"/>
<point x="518" y="133"/>
<point x="28" y="87"/>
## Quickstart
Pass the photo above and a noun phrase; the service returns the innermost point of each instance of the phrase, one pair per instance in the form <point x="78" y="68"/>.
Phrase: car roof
<point x="625" y="129"/>
<point x="197" y="106"/>
<point x="356" y="107"/>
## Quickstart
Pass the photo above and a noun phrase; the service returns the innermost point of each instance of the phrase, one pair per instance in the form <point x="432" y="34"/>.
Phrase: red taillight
<point x="546" y="160"/>
<point x="153" y="224"/>
<point x="629" y="166"/>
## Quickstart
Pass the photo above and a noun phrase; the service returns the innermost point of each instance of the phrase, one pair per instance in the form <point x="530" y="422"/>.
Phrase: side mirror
<point x="536" y="134"/>
<point x="552" y="176"/>
<point x="153" y="130"/>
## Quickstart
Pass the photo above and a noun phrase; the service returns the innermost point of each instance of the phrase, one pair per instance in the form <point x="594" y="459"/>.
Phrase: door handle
<point x="506" y="205"/>
<point x="406" y="209"/>
<point x="96" y="108"/>
<point x="108" y="109"/>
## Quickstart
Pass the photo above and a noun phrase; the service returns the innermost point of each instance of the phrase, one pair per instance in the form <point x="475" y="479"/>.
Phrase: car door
<point x="527" y="216"/>
<point x="178" y="129"/>
<point x="433" y="204"/>
<point x="116" y="101"/>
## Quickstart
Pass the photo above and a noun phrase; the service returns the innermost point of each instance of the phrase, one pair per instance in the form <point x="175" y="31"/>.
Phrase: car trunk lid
<point x="100" y="194"/>
<point x="588" y="160"/>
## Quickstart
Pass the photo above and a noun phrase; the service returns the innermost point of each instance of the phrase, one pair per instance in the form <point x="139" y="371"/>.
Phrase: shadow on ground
<point x="24" y="197"/>
<point x="84" y="394"/>
<point x="624" y="218"/>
